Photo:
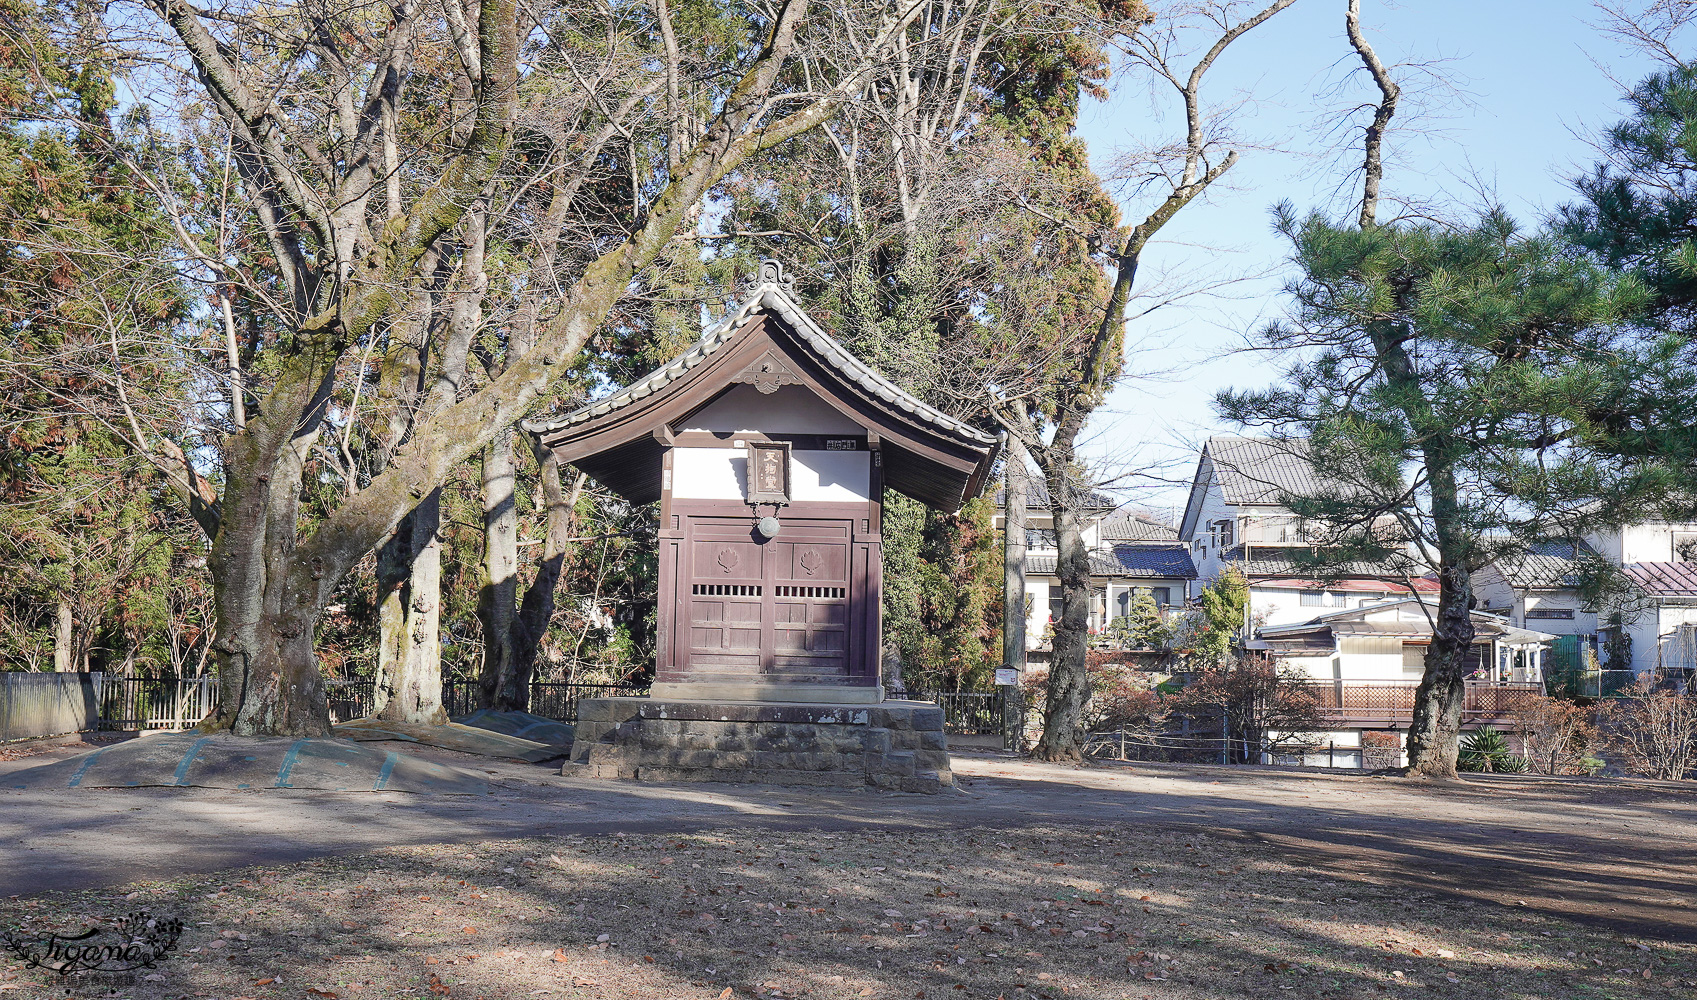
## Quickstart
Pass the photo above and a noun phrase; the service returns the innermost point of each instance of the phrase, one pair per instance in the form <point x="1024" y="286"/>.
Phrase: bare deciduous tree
<point x="352" y="220"/>
<point x="1050" y="430"/>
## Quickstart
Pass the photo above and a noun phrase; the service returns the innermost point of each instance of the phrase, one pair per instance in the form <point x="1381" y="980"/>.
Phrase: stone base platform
<point x="895" y="745"/>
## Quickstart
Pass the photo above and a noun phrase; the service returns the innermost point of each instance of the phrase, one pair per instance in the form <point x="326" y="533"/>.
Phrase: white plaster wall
<point x="1649" y="542"/>
<point x="709" y="473"/>
<point x="1212" y="507"/>
<point x="1371" y="658"/>
<point x="1272" y="606"/>
<point x="1494" y="591"/>
<point x="1285" y="607"/>
<point x="1037" y="590"/>
<point x="820" y="476"/>
<point x="1317" y="667"/>
<point x="1668" y="621"/>
<point x="1582" y="623"/>
<point x="1645" y="633"/>
<point x="793" y="409"/>
<point x="1413" y="662"/>
<point x="1607" y="544"/>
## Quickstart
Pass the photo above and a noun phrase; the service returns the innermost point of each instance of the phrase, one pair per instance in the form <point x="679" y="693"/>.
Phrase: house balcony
<point x="1386" y="703"/>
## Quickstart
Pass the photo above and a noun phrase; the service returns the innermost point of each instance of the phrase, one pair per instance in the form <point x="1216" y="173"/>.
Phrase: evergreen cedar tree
<point x="95" y="556"/>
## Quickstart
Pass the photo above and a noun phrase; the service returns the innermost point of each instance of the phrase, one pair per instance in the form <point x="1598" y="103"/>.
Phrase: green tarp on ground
<point x="450" y="736"/>
<point x="523" y="725"/>
<point x="195" y="760"/>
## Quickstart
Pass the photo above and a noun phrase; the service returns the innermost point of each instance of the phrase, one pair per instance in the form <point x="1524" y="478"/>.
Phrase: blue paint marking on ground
<point x="288" y="765"/>
<point x="76" y="779"/>
<point x="389" y="763"/>
<point x="182" y="775"/>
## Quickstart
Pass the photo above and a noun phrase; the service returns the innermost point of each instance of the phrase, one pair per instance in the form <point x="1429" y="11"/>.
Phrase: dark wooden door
<point x="725" y="598"/>
<point x="767" y="609"/>
<point x="810" y="573"/>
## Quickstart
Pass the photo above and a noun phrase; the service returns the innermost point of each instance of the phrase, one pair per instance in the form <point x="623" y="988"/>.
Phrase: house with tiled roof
<point x="1235" y="518"/>
<point x="1540" y="588"/>
<point x="1659" y="614"/>
<point x="1131" y="553"/>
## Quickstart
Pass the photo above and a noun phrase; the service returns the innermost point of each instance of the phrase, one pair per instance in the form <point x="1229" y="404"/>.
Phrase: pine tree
<point x="1446" y="382"/>
<point x="1638" y="217"/>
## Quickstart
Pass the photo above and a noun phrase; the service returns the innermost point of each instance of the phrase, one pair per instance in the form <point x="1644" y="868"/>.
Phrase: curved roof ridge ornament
<point x="770" y="274"/>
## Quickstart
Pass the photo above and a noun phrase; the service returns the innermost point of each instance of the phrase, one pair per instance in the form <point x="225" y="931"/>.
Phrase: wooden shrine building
<point x="768" y="447"/>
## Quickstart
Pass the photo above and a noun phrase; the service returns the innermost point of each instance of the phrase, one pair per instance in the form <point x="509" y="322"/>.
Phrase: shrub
<point x="1487" y="750"/>
<point x="1559" y="735"/>
<point x="1653" y="730"/>
<point x="1121" y="697"/>
<point x="1261" y="702"/>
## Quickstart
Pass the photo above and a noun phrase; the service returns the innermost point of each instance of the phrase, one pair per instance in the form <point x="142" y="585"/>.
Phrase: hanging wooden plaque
<point x="768" y="472"/>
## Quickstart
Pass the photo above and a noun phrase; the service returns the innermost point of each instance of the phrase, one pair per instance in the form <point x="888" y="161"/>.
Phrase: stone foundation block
<point x="895" y="745"/>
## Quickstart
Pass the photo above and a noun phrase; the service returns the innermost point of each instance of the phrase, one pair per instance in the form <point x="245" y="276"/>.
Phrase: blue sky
<point x="1535" y="86"/>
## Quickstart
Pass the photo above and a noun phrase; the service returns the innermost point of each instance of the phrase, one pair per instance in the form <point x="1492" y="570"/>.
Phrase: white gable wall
<point x="722" y="473"/>
<point x="792" y="409"/>
<point x="1373" y="658"/>
<point x="1654" y="542"/>
<point x="1212" y="506"/>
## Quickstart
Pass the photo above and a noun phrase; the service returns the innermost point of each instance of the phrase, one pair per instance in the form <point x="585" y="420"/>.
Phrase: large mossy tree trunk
<point x="498" y="589"/>
<point x="409" y="579"/>
<point x="267" y="598"/>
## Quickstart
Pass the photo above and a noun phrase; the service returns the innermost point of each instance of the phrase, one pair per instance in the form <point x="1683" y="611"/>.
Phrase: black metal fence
<point x="129" y="703"/>
<point x="180" y="703"/>
<point x="976" y="713"/>
<point x="1173" y="748"/>
<point x="549" y="699"/>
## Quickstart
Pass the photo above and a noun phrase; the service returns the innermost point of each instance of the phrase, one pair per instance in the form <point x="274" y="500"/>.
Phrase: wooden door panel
<point x="725" y="559"/>
<point x="813" y="562"/>
<point x="778" y="609"/>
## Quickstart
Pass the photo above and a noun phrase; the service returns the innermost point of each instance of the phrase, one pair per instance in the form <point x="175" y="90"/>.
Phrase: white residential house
<point x="1363" y="665"/>
<point x="1660" y="560"/>
<point x="1130" y="553"/>
<point x="1234" y="519"/>
<point x="1540" y="590"/>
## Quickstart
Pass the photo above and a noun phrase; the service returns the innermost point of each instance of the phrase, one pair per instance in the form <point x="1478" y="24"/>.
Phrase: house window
<point x="1162" y="595"/>
<point x="1313" y="598"/>
<point x="1340" y="600"/>
<point x="1124" y="603"/>
<point x="1562" y="614"/>
<point x="1055" y="605"/>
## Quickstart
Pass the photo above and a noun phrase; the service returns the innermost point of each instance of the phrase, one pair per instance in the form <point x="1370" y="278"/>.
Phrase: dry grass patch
<point x="1114" y="913"/>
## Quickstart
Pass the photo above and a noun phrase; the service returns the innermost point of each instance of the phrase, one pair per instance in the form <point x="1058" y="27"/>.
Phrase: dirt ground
<point x="1035" y="880"/>
<point x="1103" y="913"/>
